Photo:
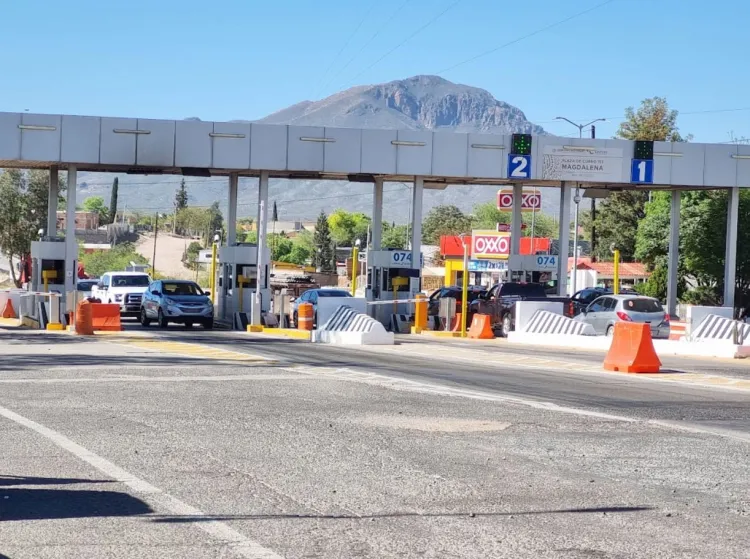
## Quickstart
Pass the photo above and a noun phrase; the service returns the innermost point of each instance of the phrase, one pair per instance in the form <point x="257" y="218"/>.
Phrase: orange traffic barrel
<point x="84" y="320"/>
<point x="305" y="316"/>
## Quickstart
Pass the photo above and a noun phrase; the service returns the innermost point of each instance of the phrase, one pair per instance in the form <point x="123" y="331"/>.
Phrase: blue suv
<point x="176" y="301"/>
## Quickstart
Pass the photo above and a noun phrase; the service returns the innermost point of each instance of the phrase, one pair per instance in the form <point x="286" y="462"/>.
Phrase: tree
<point x="117" y="258"/>
<point x="444" y="220"/>
<point x="216" y="221"/>
<point x="23" y="211"/>
<point x="394" y="236"/>
<point x="190" y="258"/>
<point x="113" y="201"/>
<point x="180" y="204"/>
<point x="347" y="227"/>
<point x="324" y="255"/>
<point x="96" y="205"/>
<point x="181" y="197"/>
<point x="619" y="215"/>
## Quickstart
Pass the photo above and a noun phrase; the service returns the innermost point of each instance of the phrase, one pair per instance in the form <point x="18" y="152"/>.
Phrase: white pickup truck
<point x="122" y="288"/>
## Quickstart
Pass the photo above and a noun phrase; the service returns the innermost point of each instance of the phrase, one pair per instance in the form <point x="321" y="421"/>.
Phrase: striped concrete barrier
<point x="545" y="322"/>
<point x="348" y="326"/>
<point x="715" y="327"/>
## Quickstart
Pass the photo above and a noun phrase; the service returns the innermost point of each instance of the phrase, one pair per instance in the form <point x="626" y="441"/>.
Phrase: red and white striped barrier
<point x="677" y="330"/>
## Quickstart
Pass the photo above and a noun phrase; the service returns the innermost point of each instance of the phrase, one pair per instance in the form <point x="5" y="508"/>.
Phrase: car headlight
<point x="118" y="297"/>
<point x="169" y="302"/>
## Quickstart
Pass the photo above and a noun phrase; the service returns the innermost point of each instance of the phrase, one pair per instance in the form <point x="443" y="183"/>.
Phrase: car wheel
<point x="208" y="324"/>
<point x="163" y="322"/>
<point x="507" y="325"/>
<point x="145" y="322"/>
<point x="610" y="331"/>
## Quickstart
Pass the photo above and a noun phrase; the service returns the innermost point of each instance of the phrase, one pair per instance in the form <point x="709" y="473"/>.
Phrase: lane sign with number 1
<point x="642" y="171"/>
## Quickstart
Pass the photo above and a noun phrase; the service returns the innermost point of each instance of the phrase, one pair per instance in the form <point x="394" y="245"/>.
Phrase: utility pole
<point x="593" y="212"/>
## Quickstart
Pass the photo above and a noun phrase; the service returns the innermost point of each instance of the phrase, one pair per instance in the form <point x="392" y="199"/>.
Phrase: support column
<point x="262" y="264"/>
<point x="516" y="221"/>
<point x="232" y="211"/>
<point x="416" y="231"/>
<point x="52" y="202"/>
<point x="673" y="258"/>
<point x="377" y="215"/>
<point x="564" y="241"/>
<point x="730" y="256"/>
<point x="71" y="246"/>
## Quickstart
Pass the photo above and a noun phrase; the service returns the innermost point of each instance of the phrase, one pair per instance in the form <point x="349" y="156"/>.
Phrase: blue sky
<point x="224" y="60"/>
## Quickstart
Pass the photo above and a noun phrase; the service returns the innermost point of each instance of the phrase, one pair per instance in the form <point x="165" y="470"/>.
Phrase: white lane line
<point x="237" y="542"/>
<point x="394" y="383"/>
<point x="139" y="378"/>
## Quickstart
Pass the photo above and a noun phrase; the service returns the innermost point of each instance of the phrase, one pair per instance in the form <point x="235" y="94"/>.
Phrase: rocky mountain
<point x="417" y="103"/>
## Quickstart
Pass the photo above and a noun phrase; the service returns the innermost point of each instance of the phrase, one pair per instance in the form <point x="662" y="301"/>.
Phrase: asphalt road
<point x="219" y="445"/>
<point x="495" y="369"/>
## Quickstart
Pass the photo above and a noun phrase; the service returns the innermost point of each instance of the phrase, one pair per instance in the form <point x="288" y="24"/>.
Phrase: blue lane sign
<point x="642" y="171"/>
<point x="519" y="166"/>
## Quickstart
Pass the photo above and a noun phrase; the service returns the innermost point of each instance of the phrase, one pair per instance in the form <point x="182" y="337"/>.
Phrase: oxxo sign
<point x="490" y="245"/>
<point x="530" y="201"/>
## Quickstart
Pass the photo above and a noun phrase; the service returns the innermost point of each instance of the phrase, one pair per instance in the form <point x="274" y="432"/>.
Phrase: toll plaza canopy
<point x="432" y="160"/>
<point x="441" y="158"/>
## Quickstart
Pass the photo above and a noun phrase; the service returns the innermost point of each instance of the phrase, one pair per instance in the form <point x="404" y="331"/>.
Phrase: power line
<point x="410" y="37"/>
<point x="519" y="39"/>
<point x="370" y="40"/>
<point x="346" y="43"/>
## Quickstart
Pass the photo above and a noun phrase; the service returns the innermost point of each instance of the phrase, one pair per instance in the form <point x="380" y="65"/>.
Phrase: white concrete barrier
<point x="709" y="348"/>
<point x="349" y="327"/>
<point x="545" y="322"/>
<point x="715" y="327"/>
<point x="696" y="314"/>
<point x="328" y="305"/>
<point x="525" y="310"/>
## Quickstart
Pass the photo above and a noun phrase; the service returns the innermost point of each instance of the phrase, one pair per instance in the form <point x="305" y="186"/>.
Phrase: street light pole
<point x="577" y="200"/>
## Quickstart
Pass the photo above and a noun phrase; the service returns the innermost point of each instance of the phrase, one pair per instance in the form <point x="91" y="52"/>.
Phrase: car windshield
<point x="333" y="293"/>
<point x="130" y="281"/>
<point x="642" y="305"/>
<point x="181" y="288"/>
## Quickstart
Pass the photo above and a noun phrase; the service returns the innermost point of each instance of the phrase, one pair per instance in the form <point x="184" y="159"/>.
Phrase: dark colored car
<point x="500" y="303"/>
<point x="455" y="292"/>
<point x="177" y="301"/>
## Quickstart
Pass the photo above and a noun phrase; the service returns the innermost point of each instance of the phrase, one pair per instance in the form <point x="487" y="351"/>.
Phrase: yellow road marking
<point x="193" y="350"/>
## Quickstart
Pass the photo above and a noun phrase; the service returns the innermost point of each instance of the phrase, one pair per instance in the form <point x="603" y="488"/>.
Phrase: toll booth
<point x="238" y="280"/>
<point x="391" y="277"/>
<point x="48" y="271"/>
<point x="536" y="268"/>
